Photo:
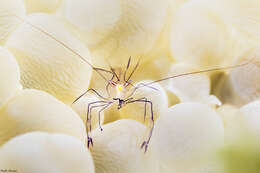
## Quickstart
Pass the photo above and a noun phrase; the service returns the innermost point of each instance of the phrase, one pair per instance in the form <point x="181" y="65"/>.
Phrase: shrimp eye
<point x="127" y="83"/>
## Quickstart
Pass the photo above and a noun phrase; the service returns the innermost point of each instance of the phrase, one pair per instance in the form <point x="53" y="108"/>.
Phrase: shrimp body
<point x="118" y="87"/>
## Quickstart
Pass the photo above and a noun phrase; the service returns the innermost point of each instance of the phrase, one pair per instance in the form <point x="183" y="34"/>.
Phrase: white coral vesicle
<point x="244" y="80"/>
<point x="231" y="117"/>
<point x="243" y="16"/>
<point x="251" y="119"/>
<point x="33" y="110"/>
<point x="240" y="85"/>
<point x="93" y="19"/>
<point x="200" y="36"/>
<point x="9" y="76"/>
<point x="192" y="87"/>
<point x="44" y="6"/>
<point x="42" y="152"/>
<point x="8" y="22"/>
<point x="46" y="64"/>
<point x="188" y="134"/>
<point x="117" y="29"/>
<point x="117" y="149"/>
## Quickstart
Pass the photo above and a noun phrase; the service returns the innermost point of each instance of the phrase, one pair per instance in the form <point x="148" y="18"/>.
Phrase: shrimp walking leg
<point x="94" y="91"/>
<point x="145" y="101"/>
<point x="88" y="121"/>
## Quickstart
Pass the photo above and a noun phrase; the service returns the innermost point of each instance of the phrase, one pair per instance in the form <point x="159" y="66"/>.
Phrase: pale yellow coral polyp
<point x="119" y="28"/>
<point x="245" y="80"/>
<point x="251" y="118"/>
<point x="42" y="152"/>
<point x="244" y="16"/>
<point x="199" y="35"/>
<point x="117" y="149"/>
<point x="9" y="76"/>
<point x="231" y="117"/>
<point x="93" y="19"/>
<point x="33" y="110"/>
<point x="193" y="87"/>
<point x="46" y="64"/>
<point x="241" y="85"/>
<point x="47" y="6"/>
<point x="8" y="22"/>
<point x="187" y="134"/>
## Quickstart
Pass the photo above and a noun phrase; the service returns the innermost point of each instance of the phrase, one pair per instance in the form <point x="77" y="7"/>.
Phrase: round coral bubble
<point x="187" y="134"/>
<point x="33" y="110"/>
<point x="9" y="76"/>
<point x="8" y="21"/>
<point x="42" y="152"/>
<point x="46" y="64"/>
<point x="117" y="149"/>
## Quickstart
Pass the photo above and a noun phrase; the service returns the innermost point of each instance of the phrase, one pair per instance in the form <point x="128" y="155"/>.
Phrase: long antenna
<point x="197" y="72"/>
<point x="131" y="74"/>
<point x="113" y="70"/>
<point x="64" y="45"/>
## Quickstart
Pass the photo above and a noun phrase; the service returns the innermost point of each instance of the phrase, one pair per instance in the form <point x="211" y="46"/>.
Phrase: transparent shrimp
<point x="121" y="90"/>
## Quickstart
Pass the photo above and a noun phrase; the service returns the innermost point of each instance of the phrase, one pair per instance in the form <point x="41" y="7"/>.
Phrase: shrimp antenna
<point x="137" y="64"/>
<point x="66" y="46"/>
<point x="197" y="72"/>
<point x="113" y="70"/>
<point x="127" y="66"/>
